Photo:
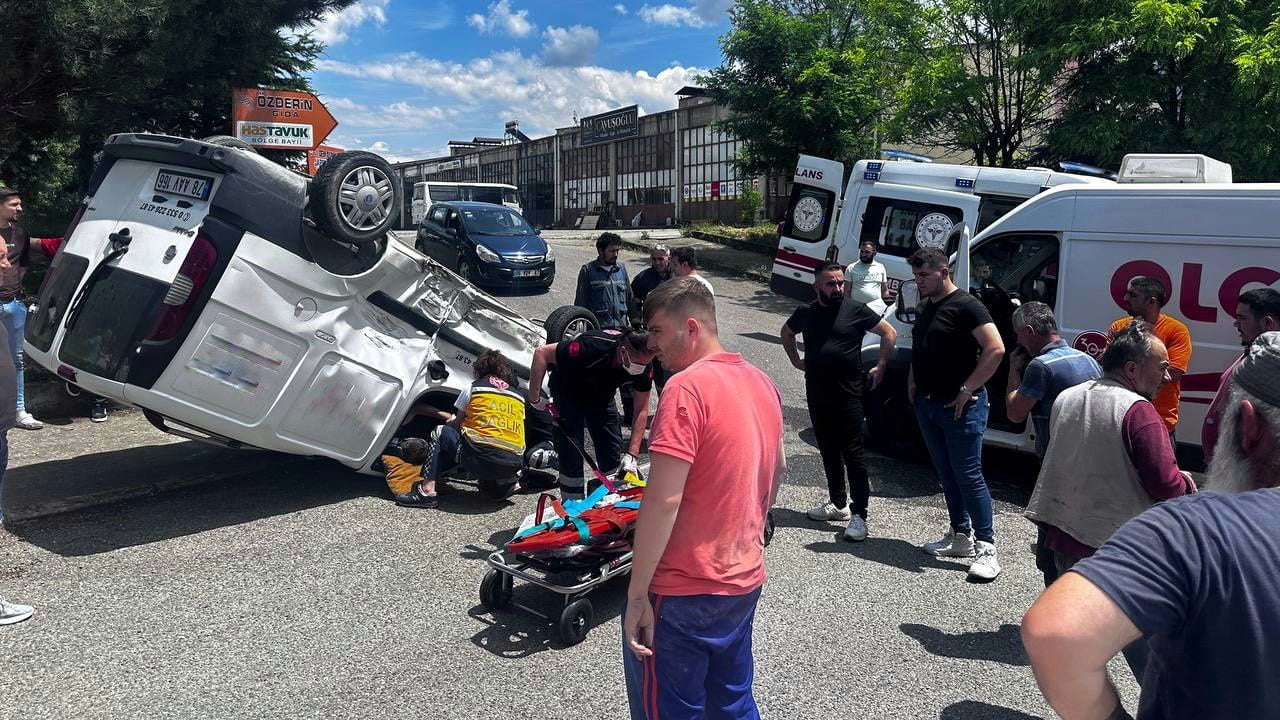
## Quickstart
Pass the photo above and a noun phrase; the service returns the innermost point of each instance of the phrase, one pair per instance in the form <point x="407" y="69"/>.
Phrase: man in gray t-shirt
<point x="1195" y="576"/>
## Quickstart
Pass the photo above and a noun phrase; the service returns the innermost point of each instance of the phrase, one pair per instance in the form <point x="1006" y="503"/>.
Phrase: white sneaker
<point x="828" y="511"/>
<point x="857" y="530"/>
<point x="986" y="566"/>
<point x="951" y="544"/>
<point x="27" y="422"/>
<point x="11" y="613"/>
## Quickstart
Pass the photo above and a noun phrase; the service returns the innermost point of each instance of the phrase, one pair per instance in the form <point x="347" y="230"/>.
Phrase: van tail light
<point x="75" y="220"/>
<point x="186" y="287"/>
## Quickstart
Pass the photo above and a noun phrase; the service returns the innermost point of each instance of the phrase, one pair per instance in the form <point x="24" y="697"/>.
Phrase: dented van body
<point x="194" y="285"/>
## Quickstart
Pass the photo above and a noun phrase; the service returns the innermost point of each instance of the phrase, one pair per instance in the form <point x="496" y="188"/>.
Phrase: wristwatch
<point x="965" y="389"/>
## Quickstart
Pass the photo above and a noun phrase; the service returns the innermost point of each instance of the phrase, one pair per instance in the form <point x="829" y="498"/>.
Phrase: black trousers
<point x="837" y="423"/>
<point x="601" y="422"/>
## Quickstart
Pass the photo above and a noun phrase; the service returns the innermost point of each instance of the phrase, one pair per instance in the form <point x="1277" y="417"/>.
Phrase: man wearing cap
<point x="1195" y="576"/>
<point x="1257" y="311"/>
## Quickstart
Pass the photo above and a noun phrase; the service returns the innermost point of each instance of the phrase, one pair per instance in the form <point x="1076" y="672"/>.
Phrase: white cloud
<point x="509" y="85"/>
<point x="574" y="45"/>
<point x="500" y="17"/>
<point x="620" y="9"/>
<point x="335" y="27"/>
<point x="397" y="116"/>
<point x="701" y="13"/>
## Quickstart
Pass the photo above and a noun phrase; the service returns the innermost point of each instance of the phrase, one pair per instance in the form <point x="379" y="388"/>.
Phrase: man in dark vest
<point x="603" y="285"/>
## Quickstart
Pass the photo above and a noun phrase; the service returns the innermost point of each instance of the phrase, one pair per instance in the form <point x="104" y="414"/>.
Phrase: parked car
<point x="239" y="303"/>
<point x="489" y="245"/>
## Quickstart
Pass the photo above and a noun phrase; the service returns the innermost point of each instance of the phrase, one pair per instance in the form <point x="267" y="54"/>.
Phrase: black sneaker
<point x="98" y="413"/>
<point x="416" y="498"/>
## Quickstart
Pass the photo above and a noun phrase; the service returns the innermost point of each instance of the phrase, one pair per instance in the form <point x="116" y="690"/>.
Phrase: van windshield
<point x="495" y="221"/>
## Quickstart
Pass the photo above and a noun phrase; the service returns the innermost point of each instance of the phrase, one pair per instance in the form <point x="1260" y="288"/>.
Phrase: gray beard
<point x="1229" y="471"/>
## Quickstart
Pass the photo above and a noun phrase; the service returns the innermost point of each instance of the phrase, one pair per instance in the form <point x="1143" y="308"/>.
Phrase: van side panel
<point x="1204" y="275"/>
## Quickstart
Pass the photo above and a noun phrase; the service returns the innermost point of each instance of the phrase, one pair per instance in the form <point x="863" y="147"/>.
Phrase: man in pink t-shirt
<point x="717" y="459"/>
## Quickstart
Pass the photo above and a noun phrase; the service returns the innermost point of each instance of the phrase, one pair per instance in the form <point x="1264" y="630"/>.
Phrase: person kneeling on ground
<point x="485" y="434"/>
<point x="403" y="472"/>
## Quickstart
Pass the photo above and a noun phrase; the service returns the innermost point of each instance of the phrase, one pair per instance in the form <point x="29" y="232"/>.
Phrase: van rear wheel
<point x="355" y="197"/>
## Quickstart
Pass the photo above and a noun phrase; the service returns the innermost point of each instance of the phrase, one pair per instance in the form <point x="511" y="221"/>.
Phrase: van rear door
<point x="808" y="231"/>
<point x="901" y="219"/>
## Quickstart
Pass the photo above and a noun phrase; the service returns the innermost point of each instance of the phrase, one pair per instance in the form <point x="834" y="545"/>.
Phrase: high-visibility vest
<point x="494" y="422"/>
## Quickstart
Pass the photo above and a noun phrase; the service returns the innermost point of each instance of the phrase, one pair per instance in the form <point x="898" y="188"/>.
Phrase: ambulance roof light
<point x="1183" y="168"/>
<point x="1078" y="168"/>
<point x="904" y="155"/>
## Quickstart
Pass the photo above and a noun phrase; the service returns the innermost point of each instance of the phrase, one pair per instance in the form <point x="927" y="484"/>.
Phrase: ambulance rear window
<point x="895" y="225"/>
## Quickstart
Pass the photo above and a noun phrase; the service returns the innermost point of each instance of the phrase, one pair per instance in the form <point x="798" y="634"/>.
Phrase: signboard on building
<point x="316" y="158"/>
<point x="279" y="119"/>
<point x="607" y="127"/>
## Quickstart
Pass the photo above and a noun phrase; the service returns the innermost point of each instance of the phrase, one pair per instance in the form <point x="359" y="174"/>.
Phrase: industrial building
<point x="617" y="168"/>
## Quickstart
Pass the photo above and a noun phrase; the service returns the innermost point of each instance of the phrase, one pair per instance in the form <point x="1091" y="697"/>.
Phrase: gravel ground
<point x="300" y="591"/>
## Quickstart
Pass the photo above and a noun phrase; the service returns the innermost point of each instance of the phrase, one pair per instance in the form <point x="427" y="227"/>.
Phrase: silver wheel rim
<point x="365" y="198"/>
<point x="576" y="328"/>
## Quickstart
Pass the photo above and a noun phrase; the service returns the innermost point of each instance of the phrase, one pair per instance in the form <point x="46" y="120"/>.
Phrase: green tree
<point x="964" y="84"/>
<point x="801" y="76"/>
<point x="77" y="71"/>
<point x="1163" y="76"/>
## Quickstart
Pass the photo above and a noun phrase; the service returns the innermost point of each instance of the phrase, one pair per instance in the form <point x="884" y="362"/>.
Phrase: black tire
<point x="231" y="142"/>
<point x="495" y="590"/>
<point x="467" y="271"/>
<point x="355" y="197"/>
<point x="768" y="528"/>
<point x="496" y="488"/>
<point x="575" y="621"/>
<point x="568" y="321"/>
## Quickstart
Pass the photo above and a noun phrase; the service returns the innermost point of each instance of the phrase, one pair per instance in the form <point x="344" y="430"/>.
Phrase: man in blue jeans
<point x="15" y="257"/>
<point x="955" y="351"/>
<point x="10" y="613"/>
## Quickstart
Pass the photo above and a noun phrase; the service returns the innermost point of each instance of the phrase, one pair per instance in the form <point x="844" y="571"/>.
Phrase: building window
<point x="707" y="159"/>
<point x="586" y="176"/>
<point x="646" y="170"/>
<point x="496" y="172"/>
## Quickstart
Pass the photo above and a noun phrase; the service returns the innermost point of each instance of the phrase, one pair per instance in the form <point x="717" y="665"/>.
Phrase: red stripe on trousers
<point x="650" y="667"/>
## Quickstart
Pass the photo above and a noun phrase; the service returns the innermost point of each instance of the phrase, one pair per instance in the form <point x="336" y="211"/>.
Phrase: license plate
<point x="180" y="183"/>
<point x="894" y="285"/>
<point x="527" y="273"/>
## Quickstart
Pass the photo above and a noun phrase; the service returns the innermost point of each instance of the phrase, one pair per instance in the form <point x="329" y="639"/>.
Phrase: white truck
<point x="900" y="205"/>
<point x="1177" y="218"/>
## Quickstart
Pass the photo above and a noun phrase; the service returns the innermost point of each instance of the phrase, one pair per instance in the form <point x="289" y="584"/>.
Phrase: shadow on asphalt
<point x="297" y="484"/>
<point x="762" y="337"/>
<point x="893" y="552"/>
<point x="764" y="299"/>
<point x="514" y="633"/>
<point x="1002" y="646"/>
<point x="974" y="710"/>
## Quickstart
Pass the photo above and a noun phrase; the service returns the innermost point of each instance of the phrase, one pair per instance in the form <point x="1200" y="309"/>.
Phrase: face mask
<point x="630" y="367"/>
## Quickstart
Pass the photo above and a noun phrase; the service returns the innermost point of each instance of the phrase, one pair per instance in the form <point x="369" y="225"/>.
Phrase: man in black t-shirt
<point x="658" y="272"/>
<point x="955" y="349"/>
<point x="833" y="327"/>
<point x="585" y="373"/>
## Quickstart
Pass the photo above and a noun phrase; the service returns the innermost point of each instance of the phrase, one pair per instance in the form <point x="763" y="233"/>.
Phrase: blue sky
<point x="404" y="77"/>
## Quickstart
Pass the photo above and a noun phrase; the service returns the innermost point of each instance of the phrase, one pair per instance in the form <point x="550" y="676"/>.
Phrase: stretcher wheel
<point x="495" y="590"/>
<point x="575" y="621"/>
<point x="768" y="528"/>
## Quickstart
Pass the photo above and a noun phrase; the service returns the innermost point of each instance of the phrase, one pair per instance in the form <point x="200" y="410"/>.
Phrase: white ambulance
<point x="1177" y="218"/>
<point x="902" y="206"/>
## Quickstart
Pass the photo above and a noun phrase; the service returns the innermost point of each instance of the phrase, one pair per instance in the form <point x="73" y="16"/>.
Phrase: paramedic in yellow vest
<point x="485" y="432"/>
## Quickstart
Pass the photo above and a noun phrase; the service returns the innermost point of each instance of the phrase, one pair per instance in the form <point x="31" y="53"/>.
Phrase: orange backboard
<point x="279" y="119"/>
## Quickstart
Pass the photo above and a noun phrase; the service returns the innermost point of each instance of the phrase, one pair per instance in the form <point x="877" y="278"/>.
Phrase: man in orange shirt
<point x="698" y="567"/>
<point x="1145" y="297"/>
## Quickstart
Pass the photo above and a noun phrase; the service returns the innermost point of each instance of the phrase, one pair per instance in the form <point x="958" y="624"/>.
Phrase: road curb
<point x="710" y="264"/>
<point x="61" y="505"/>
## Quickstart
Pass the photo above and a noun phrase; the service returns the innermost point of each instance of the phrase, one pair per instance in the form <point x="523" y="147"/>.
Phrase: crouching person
<point x="485" y="433"/>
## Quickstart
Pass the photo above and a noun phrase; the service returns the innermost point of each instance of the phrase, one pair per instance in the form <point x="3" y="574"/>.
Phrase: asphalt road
<point x="301" y="591"/>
